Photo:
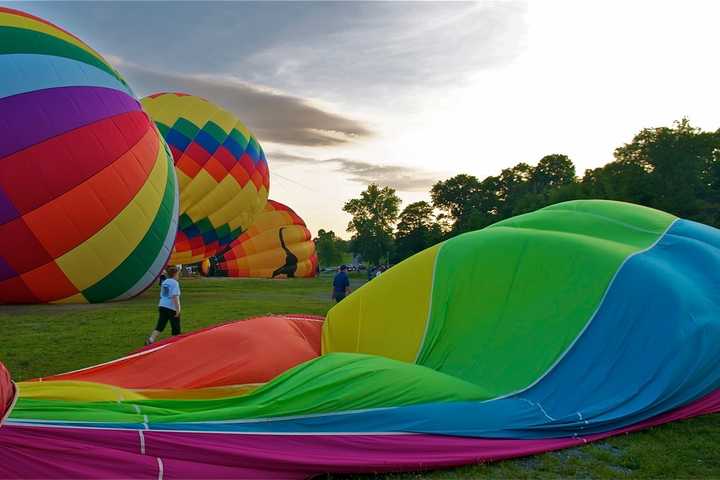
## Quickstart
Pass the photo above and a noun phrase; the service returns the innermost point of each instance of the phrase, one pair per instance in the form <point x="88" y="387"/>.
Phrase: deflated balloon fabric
<point x="573" y="323"/>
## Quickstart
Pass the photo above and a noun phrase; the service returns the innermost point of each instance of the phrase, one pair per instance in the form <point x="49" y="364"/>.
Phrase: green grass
<point x="39" y="340"/>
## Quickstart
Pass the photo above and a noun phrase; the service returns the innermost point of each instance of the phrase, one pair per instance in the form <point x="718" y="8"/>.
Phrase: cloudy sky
<point x="343" y="94"/>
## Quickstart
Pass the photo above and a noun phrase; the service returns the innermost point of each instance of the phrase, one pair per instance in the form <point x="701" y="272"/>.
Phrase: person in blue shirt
<point x="169" y="305"/>
<point x="341" y="284"/>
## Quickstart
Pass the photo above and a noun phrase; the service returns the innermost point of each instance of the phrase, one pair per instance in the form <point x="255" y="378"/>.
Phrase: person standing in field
<point x="341" y="284"/>
<point x="169" y="305"/>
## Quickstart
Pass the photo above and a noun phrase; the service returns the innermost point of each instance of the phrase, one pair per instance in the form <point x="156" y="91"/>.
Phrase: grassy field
<point x="45" y="339"/>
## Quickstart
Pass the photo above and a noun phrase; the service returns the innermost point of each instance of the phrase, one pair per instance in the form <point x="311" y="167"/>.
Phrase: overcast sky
<point x="406" y="94"/>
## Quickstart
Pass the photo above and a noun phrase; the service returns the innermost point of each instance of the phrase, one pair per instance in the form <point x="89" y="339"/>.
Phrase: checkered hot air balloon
<point x="221" y="168"/>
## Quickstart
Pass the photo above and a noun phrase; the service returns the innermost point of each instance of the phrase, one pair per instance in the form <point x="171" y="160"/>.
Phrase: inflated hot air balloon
<point x="278" y="244"/>
<point x="553" y="329"/>
<point x="221" y="169"/>
<point x="88" y="193"/>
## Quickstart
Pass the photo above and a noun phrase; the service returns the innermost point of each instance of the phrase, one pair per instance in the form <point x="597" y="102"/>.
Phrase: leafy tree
<point x="513" y="184"/>
<point x="329" y="248"/>
<point x="374" y="215"/>
<point x="342" y="246"/>
<point x="414" y="217"/>
<point x="466" y="202"/>
<point x="416" y="230"/>
<point x="680" y="165"/>
<point x="624" y="181"/>
<point x="456" y="196"/>
<point x="552" y="171"/>
<point x="676" y="169"/>
<point x="524" y="188"/>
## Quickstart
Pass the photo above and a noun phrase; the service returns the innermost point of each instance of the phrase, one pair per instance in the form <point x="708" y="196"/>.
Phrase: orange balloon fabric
<point x="242" y="352"/>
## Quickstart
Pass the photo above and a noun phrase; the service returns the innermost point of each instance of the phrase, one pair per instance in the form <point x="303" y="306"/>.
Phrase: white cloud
<point x="399" y="177"/>
<point x="272" y="115"/>
<point x="387" y="46"/>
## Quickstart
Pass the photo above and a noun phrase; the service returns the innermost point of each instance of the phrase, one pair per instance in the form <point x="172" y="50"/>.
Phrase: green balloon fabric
<point x="509" y="300"/>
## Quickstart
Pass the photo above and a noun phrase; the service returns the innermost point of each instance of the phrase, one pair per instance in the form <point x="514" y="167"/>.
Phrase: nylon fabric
<point x="387" y="390"/>
<point x="76" y="189"/>
<point x="247" y="352"/>
<point x="222" y="173"/>
<point x="510" y="299"/>
<point x="276" y="456"/>
<point x="394" y="306"/>
<point x="278" y="243"/>
<point x="25" y="73"/>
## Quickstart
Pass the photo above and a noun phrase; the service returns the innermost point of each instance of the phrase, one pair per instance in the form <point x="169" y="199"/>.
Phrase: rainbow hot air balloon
<point x="277" y="244"/>
<point x="221" y="168"/>
<point x="88" y="193"/>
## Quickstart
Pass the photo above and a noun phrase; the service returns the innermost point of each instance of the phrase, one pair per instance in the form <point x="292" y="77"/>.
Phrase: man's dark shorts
<point x="165" y="315"/>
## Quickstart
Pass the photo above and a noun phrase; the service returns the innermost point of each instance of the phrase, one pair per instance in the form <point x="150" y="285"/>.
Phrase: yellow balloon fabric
<point x="100" y="392"/>
<point x="387" y="306"/>
<point x="278" y="244"/>
<point x="221" y="168"/>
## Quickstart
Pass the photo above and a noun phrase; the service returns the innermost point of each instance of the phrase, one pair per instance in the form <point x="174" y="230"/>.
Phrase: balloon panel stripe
<point x="46" y="164"/>
<point x="24" y="73"/>
<point x="16" y="40"/>
<point x="114" y="187"/>
<point x="105" y="250"/>
<point x="43" y="114"/>
<point x="128" y="272"/>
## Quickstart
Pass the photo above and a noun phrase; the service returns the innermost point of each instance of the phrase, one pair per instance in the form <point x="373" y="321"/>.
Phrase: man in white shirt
<point x="169" y="305"/>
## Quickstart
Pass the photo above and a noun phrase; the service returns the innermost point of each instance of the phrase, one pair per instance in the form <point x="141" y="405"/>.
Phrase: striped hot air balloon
<point x="88" y="195"/>
<point x="221" y="168"/>
<point x="278" y="244"/>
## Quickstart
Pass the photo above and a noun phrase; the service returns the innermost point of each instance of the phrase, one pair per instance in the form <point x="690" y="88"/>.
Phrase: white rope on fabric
<point x="161" y="468"/>
<point x="13" y="402"/>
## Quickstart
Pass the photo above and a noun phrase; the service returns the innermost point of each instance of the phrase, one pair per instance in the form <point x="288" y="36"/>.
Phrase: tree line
<point x="675" y="169"/>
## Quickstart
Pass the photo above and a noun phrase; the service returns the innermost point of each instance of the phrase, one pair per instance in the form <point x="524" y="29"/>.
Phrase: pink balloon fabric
<point x="48" y="452"/>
